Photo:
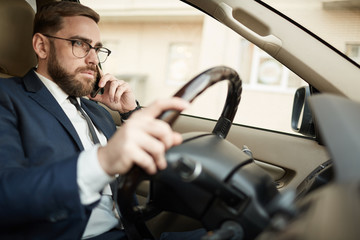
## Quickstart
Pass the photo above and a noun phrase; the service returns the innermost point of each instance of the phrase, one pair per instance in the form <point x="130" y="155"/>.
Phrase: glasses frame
<point x="73" y="41"/>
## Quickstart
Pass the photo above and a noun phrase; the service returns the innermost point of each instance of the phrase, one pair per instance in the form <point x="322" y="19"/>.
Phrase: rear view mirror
<point x="302" y="120"/>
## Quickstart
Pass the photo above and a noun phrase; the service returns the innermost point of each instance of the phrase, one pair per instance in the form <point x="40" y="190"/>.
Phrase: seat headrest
<point x="16" y="27"/>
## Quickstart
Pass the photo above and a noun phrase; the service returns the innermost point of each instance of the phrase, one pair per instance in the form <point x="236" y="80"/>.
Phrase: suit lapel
<point x="38" y="92"/>
<point x="98" y="119"/>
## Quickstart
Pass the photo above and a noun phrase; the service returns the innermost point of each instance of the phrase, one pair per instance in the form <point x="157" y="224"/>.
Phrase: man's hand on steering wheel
<point x="142" y="141"/>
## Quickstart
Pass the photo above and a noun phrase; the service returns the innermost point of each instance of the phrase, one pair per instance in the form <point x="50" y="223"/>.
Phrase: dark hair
<point x="49" y="18"/>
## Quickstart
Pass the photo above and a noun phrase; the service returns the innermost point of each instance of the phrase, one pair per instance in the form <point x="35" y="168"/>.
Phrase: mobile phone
<point x="96" y="88"/>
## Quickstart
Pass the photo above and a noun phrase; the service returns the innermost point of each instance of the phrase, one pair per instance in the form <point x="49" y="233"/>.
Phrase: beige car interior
<point x="289" y="159"/>
<point x="16" y="25"/>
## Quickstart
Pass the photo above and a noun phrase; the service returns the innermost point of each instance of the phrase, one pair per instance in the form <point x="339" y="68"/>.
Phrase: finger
<point x="116" y="89"/>
<point x="159" y="139"/>
<point x="161" y="131"/>
<point x="145" y="148"/>
<point x="104" y="79"/>
<point x="112" y="89"/>
<point x="177" y="138"/>
<point x="120" y="90"/>
<point x="154" y="137"/>
<point x="105" y="82"/>
<point x="132" y="153"/>
<point x="159" y="106"/>
<point x="145" y="161"/>
<point x="156" y="128"/>
<point x="156" y="150"/>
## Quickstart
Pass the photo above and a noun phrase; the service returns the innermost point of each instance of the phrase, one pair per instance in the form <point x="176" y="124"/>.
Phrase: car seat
<point x="16" y="27"/>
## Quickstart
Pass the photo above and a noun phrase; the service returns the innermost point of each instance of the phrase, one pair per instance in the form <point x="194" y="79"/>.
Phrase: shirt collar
<point x="59" y="95"/>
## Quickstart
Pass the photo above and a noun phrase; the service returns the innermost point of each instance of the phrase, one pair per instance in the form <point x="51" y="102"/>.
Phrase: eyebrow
<point x="87" y="40"/>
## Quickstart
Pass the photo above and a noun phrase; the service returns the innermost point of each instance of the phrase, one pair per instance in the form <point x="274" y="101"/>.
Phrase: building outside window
<point x="180" y="63"/>
<point x="353" y="52"/>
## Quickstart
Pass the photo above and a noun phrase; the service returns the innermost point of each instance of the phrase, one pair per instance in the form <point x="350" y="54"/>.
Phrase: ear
<point x="41" y="45"/>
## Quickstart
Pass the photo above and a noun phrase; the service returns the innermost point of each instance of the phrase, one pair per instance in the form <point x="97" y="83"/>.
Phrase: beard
<point x="68" y="82"/>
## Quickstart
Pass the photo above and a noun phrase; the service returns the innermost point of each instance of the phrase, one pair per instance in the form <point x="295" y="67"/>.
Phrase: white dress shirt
<point x="91" y="178"/>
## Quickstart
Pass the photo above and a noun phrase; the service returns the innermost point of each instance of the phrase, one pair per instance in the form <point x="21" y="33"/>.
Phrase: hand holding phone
<point x="96" y="88"/>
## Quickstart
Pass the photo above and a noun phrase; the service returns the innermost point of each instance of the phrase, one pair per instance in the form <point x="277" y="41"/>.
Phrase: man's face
<point x="75" y="76"/>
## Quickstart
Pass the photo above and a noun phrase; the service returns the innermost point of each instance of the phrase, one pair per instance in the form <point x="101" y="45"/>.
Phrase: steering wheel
<point x="134" y="216"/>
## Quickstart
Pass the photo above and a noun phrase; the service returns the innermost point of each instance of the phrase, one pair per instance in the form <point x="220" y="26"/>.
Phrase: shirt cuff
<point x="91" y="178"/>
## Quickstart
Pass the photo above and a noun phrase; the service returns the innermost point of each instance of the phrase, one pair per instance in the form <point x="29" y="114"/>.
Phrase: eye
<point x="78" y="43"/>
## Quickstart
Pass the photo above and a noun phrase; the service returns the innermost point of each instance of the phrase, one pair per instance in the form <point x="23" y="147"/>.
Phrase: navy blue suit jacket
<point x="39" y="148"/>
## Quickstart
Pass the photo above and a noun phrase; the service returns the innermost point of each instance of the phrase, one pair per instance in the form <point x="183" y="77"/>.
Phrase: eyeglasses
<point x="81" y="49"/>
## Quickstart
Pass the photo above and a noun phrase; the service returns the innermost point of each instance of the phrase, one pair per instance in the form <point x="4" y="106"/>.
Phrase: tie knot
<point x="73" y="100"/>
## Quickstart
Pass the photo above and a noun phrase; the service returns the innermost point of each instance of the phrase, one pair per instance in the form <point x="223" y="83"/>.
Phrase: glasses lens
<point x="103" y="54"/>
<point x="80" y="49"/>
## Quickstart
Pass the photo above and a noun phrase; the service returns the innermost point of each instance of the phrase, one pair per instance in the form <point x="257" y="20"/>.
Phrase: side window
<point x="269" y="89"/>
<point x="157" y="57"/>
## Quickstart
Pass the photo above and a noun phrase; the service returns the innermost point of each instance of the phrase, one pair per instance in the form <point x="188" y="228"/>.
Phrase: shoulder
<point x="10" y="88"/>
<point x="17" y="82"/>
<point x="11" y="82"/>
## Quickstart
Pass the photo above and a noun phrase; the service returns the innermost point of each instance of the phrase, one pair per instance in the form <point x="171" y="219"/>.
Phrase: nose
<point x="92" y="57"/>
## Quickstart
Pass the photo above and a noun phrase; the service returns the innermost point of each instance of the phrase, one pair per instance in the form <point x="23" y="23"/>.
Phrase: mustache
<point x="88" y="68"/>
